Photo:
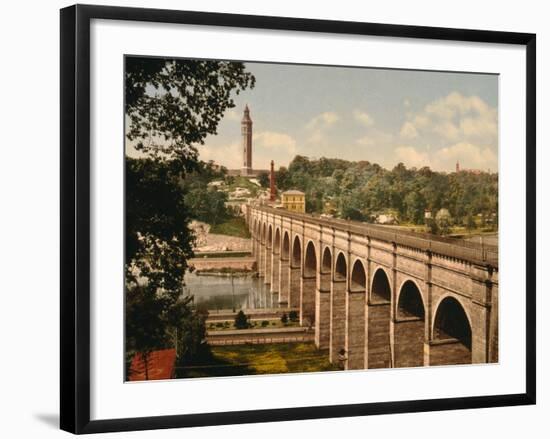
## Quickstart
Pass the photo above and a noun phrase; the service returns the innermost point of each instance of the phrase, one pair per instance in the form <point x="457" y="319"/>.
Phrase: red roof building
<point x="160" y="366"/>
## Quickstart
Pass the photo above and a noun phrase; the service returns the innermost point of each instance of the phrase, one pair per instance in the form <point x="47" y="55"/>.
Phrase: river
<point x="217" y="293"/>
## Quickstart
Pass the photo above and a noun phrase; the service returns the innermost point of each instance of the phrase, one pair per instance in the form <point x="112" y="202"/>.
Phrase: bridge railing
<point x="451" y="247"/>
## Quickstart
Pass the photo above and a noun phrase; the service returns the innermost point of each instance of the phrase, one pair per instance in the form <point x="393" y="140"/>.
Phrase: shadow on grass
<point x="213" y="366"/>
<point x="257" y="359"/>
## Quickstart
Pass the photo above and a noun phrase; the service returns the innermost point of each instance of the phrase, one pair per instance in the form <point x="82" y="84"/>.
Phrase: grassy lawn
<point x="232" y="227"/>
<point x="254" y="359"/>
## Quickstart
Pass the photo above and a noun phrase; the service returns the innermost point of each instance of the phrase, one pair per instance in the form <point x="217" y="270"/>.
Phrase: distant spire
<point x="246" y="115"/>
<point x="457" y="166"/>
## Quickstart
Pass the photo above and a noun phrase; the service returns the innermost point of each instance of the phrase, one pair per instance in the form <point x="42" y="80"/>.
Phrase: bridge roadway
<point x="378" y="297"/>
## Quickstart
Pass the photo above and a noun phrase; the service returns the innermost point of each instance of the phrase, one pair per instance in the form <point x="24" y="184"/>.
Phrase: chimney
<point x="272" y="192"/>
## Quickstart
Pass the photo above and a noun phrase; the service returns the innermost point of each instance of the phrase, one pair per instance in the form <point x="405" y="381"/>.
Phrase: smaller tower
<point x="272" y="191"/>
<point x="457" y="166"/>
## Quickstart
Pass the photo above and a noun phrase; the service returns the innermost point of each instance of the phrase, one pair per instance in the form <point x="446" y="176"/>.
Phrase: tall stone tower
<point x="246" y="130"/>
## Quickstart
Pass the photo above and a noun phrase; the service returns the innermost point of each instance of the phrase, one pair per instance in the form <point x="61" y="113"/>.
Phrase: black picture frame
<point x="75" y="217"/>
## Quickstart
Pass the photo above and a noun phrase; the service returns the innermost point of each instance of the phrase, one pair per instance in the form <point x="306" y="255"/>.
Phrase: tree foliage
<point x="263" y="179"/>
<point x="171" y="106"/>
<point x="362" y="190"/>
<point x="241" y="320"/>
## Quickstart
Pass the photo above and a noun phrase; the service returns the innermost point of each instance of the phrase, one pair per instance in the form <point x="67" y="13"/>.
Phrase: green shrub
<point x="241" y="320"/>
<point x="293" y="316"/>
<point x="265" y="323"/>
<point x="284" y="319"/>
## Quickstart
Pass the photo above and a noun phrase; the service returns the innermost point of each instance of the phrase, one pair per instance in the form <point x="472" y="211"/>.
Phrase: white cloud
<point x="323" y="120"/>
<point x="363" y="118"/>
<point x="319" y="125"/>
<point x="408" y="131"/>
<point x="406" y="103"/>
<point x="229" y="155"/>
<point x="457" y="118"/>
<point x="375" y="138"/>
<point x="411" y="157"/>
<point x="231" y="114"/>
<point x="274" y="140"/>
<point x="469" y="155"/>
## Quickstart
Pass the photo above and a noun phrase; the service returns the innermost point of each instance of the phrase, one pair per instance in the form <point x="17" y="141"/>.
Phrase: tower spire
<point x="246" y="131"/>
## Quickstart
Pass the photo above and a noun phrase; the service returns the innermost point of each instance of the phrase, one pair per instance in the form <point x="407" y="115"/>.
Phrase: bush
<point x="241" y="320"/>
<point x="284" y="319"/>
<point x="444" y="221"/>
<point x="265" y="323"/>
<point x="293" y="316"/>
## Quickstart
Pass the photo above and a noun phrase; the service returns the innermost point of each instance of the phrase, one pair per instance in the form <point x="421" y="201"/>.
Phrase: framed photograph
<point x="307" y="215"/>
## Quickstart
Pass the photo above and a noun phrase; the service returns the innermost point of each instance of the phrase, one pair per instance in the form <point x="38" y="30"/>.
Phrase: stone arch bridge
<point x="380" y="298"/>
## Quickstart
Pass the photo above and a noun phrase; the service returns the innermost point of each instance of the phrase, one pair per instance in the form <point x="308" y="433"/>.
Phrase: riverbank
<point x="224" y="266"/>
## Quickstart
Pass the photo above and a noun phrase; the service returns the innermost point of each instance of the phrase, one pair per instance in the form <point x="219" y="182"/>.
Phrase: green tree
<point x="158" y="241"/>
<point x="207" y="204"/>
<point x="241" y="320"/>
<point x="263" y="179"/>
<point x="171" y="106"/>
<point x="144" y="331"/>
<point x="414" y="207"/>
<point x="469" y="222"/>
<point x="443" y="220"/>
<point x="431" y="226"/>
<point x="293" y="316"/>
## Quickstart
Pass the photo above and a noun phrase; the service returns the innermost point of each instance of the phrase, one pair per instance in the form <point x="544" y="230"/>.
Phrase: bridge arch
<point x="378" y="321"/>
<point x="285" y="250"/>
<point x="296" y="252"/>
<point x="326" y="261"/>
<point x="310" y="260"/>
<point x="410" y="302"/>
<point x="277" y="242"/>
<point x="380" y="286"/>
<point x="294" y="273"/>
<point x="409" y="326"/>
<point x="309" y="283"/>
<point x="438" y="309"/>
<point x="356" y="316"/>
<point x="358" y="279"/>
<point x="452" y="332"/>
<point x="269" y="241"/>
<point x="263" y="235"/>
<point x="341" y="267"/>
<point x="322" y="299"/>
<point x="337" y="342"/>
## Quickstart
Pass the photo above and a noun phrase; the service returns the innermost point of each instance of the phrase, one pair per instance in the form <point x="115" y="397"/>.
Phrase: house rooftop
<point x="160" y="366"/>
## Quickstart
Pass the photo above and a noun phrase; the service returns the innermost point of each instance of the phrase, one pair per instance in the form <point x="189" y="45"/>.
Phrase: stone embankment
<point x="260" y="336"/>
<point x="206" y="242"/>
<point x="223" y="265"/>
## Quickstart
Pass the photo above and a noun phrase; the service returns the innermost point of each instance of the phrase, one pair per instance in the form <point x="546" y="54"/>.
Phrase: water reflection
<point x="227" y="293"/>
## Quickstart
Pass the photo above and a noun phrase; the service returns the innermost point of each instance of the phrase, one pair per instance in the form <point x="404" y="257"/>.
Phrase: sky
<point x="420" y="118"/>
